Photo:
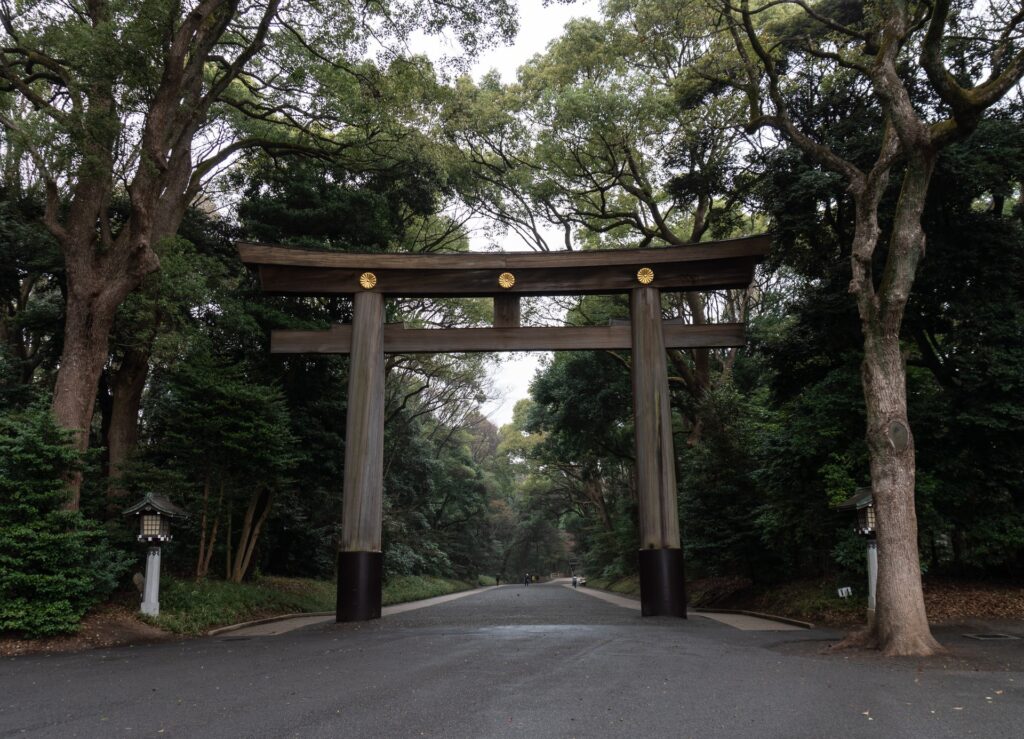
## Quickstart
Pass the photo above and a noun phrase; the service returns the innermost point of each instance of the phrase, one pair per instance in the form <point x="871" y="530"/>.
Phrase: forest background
<point x="328" y="135"/>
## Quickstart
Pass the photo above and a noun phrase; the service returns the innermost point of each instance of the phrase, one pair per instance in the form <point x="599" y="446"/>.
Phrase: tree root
<point x="861" y="639"/>
<point x="914" y="646"/>
<point x="867" y="638"/>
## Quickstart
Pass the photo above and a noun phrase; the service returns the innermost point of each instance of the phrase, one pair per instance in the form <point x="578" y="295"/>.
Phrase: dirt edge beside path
<point x="107" y="625"/>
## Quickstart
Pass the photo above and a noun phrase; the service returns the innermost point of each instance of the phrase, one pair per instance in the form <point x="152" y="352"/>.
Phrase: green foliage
<point x="604" y="137"/>
<point x="310" y="204"/>
<point x="195" y="606"/>
<point x="208" y="416"/>
<point x="30" y="297"/>
<point x="54" y="563"/>
<point x="407" y="588"/>
<point x="961" y="332"/>
<point x="627" y="585"/>
<point x="13" y="392"/>
<point x="849" y="554"/>
<point x="783" y="440"/>
<point x="436" y="502"/>
<point x="435" y="493"/>
<point x="230" y="437"/>
<point x="401" y="559"/>
<point x="584" y="400"/>
<point x="966" y="324"/>
<point x="570" y="449"/>
<point x="721" y="507"/>
<point x="816" y="601"/>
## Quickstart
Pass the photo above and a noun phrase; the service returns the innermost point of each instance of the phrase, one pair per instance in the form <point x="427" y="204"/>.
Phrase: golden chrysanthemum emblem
<point x="367" y="280"/>
<point x="645" y="276"/>
<point x="506" y="280"/>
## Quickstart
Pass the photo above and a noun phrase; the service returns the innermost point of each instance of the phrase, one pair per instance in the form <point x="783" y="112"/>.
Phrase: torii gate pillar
<point x="662" y="581"/>
<point x="360" y="561"/>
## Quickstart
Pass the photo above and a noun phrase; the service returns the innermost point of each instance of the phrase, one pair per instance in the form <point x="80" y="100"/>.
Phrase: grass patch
<point x="194" y="607"/>
<point x="417" y="587"/>
<point x="484" y="581"/>
<point x="811" y="600"/>
<point x="806" y="600"/>
<point x="624" y="585"/>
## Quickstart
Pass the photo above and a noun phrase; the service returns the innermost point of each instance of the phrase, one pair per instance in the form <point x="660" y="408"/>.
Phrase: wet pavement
<point x="542" y="661"/>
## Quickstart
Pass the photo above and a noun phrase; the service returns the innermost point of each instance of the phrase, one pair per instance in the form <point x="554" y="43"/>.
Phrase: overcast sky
<point x="538" y="25"/>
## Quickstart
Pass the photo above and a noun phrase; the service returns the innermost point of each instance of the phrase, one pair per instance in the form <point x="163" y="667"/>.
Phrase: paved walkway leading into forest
<point x="513" y="661"/>
<point x="276" y="627"/>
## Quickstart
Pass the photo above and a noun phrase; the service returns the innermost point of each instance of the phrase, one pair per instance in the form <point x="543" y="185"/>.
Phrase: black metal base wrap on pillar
<point x="662" y="583"/>
<point x="359" y="585"/>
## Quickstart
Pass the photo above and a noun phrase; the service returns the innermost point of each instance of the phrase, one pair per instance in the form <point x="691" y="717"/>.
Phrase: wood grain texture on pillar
<point x="655" y="455"/>
<point x="506" y="311"/>
<point x="364" y="435"/>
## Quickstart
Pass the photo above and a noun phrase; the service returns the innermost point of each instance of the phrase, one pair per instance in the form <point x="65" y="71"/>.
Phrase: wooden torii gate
<point x="506" y="277"/>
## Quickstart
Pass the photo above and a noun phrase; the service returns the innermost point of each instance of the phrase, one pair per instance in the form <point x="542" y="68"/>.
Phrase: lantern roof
<point x="863" y="498"/>
<point x="159" y="504"/>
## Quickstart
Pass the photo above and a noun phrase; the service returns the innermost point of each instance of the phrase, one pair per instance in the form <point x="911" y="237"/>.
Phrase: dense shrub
<point x="54" y="563"/>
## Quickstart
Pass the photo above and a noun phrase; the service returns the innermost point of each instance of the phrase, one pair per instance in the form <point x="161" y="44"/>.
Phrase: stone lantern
<point x="155" y="513"/>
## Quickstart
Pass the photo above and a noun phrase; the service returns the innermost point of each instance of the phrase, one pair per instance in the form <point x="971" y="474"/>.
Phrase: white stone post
<point x="872" y="577"/>
<point x="151" y="590"/>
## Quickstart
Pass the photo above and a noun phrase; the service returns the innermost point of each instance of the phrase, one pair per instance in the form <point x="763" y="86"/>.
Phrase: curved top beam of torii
<point x="712" y="265"/>
<point x="506" y="277"/>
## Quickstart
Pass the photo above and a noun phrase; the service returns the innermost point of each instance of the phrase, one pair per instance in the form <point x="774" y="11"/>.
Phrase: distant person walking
<point x="574" y="581"/>
<point x="526" y="580"/>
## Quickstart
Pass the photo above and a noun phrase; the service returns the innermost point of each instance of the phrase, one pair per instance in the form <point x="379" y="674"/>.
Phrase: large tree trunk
<point x="107" y="255"/>
<point x="101" y="272"/>
<point x="126" y="388"/>
<point x="907" y="139"/>
<point x="102" y="266"/>
<point x="901" y="624"/>
<point x="91" y="306"/>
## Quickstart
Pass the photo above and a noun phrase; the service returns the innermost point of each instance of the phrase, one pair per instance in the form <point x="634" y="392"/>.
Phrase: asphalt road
<point x="510" y="662"/>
